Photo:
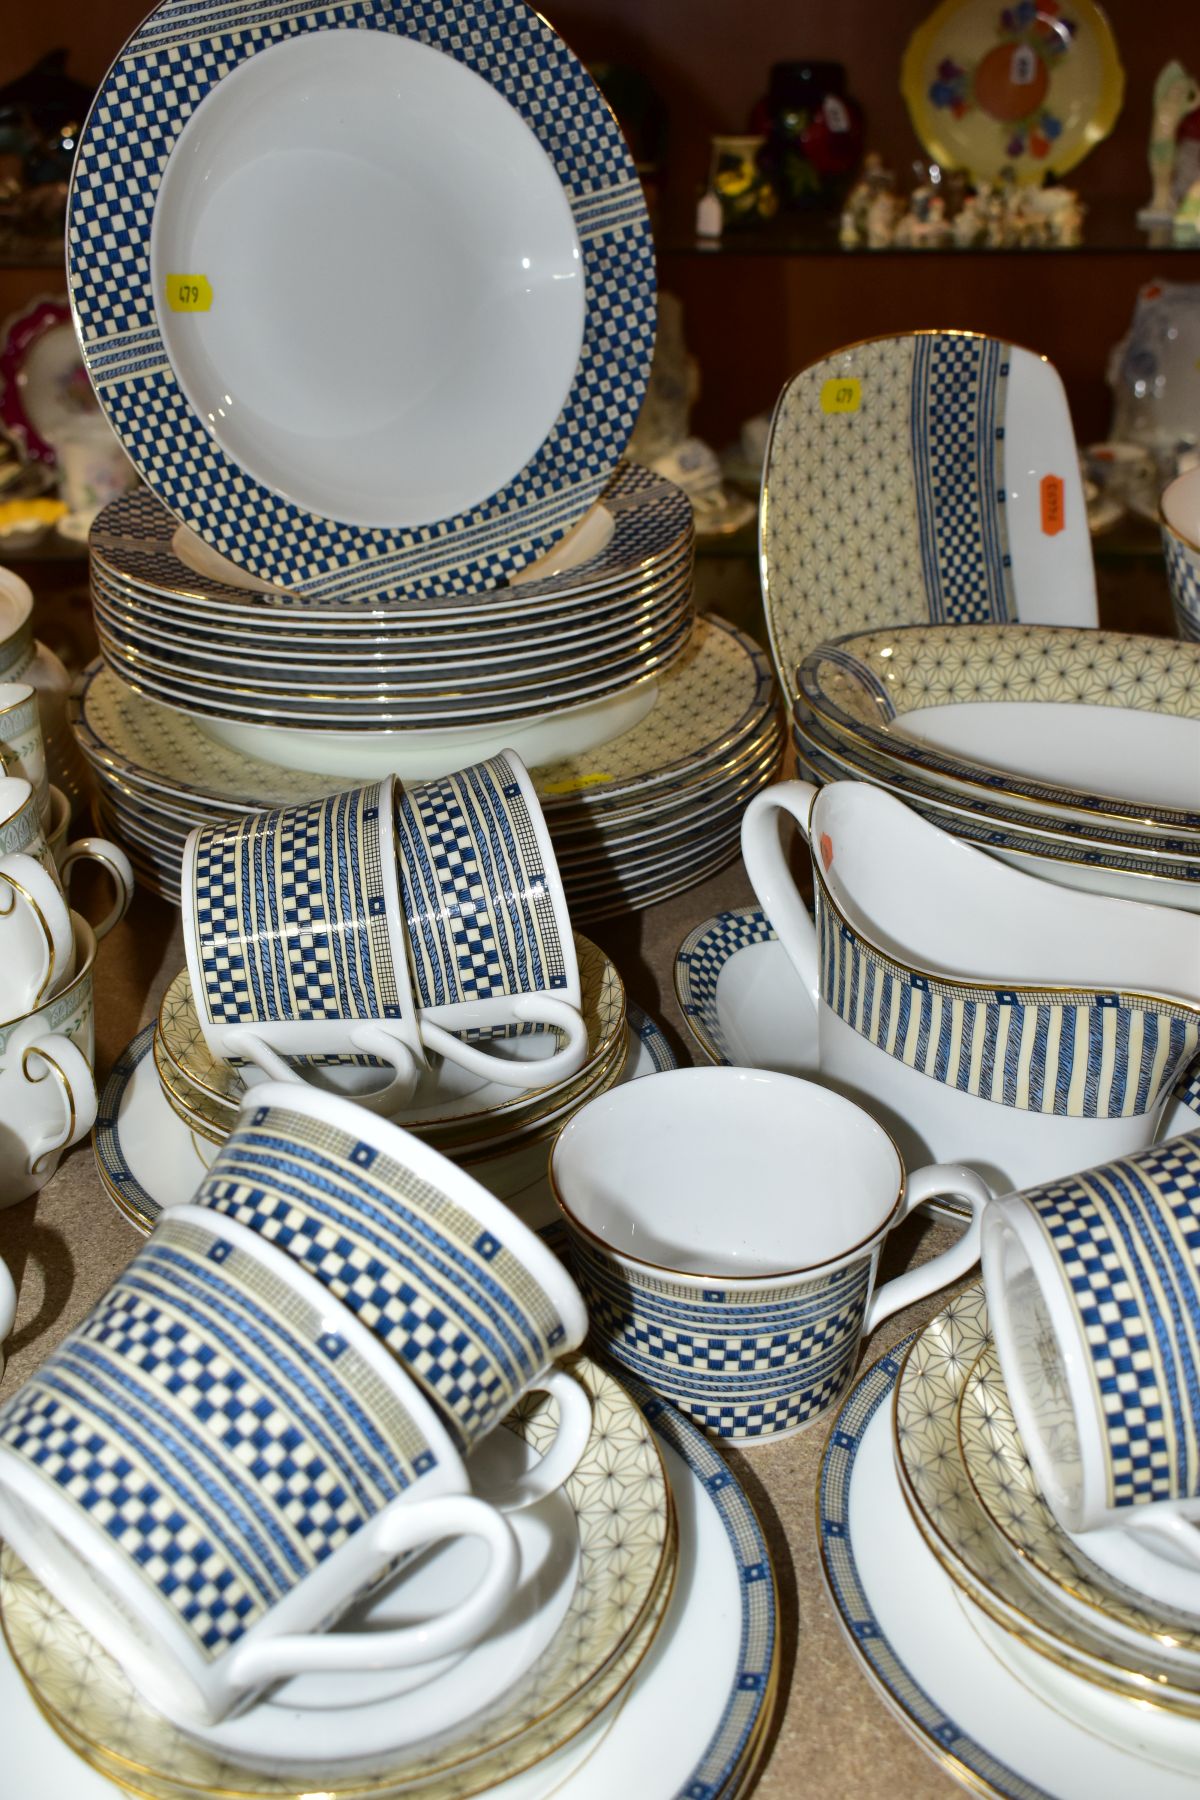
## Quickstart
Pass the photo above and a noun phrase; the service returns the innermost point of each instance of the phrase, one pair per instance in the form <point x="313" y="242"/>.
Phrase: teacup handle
<point x="772" y="880"/>
<point x="372" y="1040"/>
<point x="562" y="1458"/>
<point x="389" y="1535"/>
<point x="119" y="869"/>
<point x="915" y="1284"/>
<point x="8" y="1301"/>
<point x="531" y="1009"/>
<point x="24" y="882"/>
<point x="63" y="1062"/>
<point x="1178" y="1538"/>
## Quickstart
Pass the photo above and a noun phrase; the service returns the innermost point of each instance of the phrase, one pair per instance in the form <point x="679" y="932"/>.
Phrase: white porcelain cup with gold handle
<point x="47" y="1088"/>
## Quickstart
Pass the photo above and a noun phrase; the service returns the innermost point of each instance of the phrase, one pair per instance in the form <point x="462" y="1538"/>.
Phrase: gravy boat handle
<point x="771" y="878"/>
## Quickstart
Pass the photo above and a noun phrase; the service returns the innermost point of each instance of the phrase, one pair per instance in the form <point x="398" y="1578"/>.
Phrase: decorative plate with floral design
<point x="1025" y="89"/>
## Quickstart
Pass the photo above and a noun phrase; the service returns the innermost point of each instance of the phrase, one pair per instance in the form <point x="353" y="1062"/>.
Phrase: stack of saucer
<point x="650" y="812"/>
<point x="463" y="1116"/>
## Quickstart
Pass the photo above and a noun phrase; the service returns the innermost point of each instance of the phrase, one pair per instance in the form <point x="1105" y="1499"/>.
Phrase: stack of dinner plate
<point x="651" y="811"/>
<point x="1073" y="754"/>
<point x="369" y="683"/>
<point x="386" y="526"/>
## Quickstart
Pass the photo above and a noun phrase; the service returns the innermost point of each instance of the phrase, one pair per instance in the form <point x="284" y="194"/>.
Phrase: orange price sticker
<point x="841" y="394"/>
<point x="1053" y="508"/>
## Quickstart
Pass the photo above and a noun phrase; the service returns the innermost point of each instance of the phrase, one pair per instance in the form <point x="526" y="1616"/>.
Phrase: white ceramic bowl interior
<point x="397" y="290"/>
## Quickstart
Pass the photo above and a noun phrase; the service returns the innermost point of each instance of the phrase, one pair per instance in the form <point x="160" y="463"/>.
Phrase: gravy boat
<point x="984" y="1016"/>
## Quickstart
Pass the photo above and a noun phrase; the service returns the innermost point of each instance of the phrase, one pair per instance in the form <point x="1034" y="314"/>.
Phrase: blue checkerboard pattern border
<point x="698" y="964"/>
<point x="1183" y="574"/>
<point x="164" y="72"/>
<point x="133" y="541"/>
<point x="209" y="1422"/>
<point x="933" y="1724"/>
<point x="740" y="1366"/>
<point x="1083" y="1055"/>
<point x="1127" y="1240"/>
<point x="476" y="891"/>
<point x="449" y="1299"/>
<point x="959" y="386"/>
<point x="291" y="914"/>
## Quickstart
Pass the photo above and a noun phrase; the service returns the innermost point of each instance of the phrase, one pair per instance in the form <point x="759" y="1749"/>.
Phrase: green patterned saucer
<point x="1004" y="1485"/>
<point x="627" y="1539"/>
<point x="948" y="1513"/>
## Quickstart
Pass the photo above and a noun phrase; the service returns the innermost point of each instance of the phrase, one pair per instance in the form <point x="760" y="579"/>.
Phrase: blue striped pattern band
<point x="209" y="1422"/>
<point x="1083" y="1055"/>
<point x="957" y="428"/>
<point x="456" y="1305"/>
<point x="1183" y="574"/>
<point x="476" y="891"/>
<point x="741" y="1365"/>
<point x="291" y="915"/>
<point x="1127" y="1240"/>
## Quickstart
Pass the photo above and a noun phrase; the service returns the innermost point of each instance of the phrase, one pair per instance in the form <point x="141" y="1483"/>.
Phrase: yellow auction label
<point x="841" y="394"/>
<point x="189" y="293"/>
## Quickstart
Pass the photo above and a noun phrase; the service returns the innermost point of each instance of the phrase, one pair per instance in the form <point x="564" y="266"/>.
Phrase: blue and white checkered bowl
<point x="215" y="1463"/>
<point x="445" y="1277"/>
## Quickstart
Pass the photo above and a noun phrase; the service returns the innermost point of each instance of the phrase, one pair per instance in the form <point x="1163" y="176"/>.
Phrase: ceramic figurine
<point x="881" y="220"/>
<point x="968" y="224"/>
<point x="1186" y="226"/>
<point x="1176" y="94"/>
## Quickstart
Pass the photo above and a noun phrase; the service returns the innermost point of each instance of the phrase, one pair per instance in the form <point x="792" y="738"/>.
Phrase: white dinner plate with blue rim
<point x="744" y="1004"/>
<point x="913" y="1633"/>
<point x="135" y="541"/>
<point x="365" y="290"/>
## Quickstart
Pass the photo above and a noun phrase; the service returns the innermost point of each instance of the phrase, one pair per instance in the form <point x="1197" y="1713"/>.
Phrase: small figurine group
<point x="941" y="214"/>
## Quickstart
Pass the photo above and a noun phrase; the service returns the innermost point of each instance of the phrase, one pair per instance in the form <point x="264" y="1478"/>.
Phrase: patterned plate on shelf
<point x="1028" y="87"/>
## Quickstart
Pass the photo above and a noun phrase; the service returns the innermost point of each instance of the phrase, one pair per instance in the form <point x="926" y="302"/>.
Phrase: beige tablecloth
<point x="832" y="1735"/>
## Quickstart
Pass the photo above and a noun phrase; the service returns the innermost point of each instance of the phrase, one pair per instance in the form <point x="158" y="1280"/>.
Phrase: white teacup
<point x="47" y="1089"/>
<point x="983" y="1015"/>
<point x="22" y="749"/>
<point x="726" y="1226"/>
<point x="1093" y="1289"/>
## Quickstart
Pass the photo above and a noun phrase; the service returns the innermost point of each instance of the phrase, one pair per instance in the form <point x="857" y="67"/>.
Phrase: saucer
<point x="1004" y="1483"/>
<point x="745" y="1004"/>
<point x="904" y="1619"/>
<point x="711" y="1672"/>
<point x="947" y="1512"/>
<point x="148" y="1158"/>
<point x="609" y="1596"/>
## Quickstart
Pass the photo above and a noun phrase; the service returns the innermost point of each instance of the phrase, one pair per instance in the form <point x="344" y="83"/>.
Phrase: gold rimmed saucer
<point x="946" y="1510"/>
<point x="1006" y="1488"/>
<point x="621" y="1595"/>
<point x="212" y="1089"/>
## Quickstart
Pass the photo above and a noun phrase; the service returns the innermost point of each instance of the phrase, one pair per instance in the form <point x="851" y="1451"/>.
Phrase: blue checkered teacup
<point x="1181" y="547"/>
<point x="215" y="1464"/>
<point x="726" y="1226"/>
<point x="1093" y="1292"/>
<point x="467" y="1299"/>
<point x="386" y="923"/>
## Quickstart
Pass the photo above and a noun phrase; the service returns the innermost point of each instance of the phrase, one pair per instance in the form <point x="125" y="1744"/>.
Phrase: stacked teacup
<point x="384" y="925"/>
<point x="47" y="951"/>
<point x="271" y="1407"/>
